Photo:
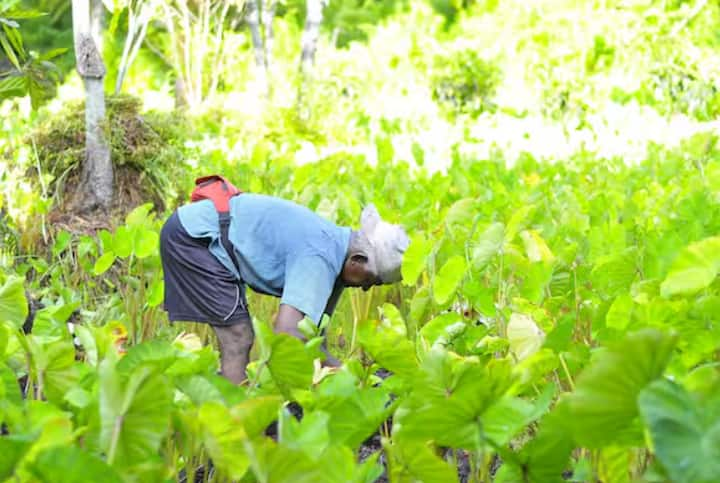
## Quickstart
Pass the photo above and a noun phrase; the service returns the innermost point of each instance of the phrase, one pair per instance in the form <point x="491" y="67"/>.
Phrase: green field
<point x="555" y="163"/>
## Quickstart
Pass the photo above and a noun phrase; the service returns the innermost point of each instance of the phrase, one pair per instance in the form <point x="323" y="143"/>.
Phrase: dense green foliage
<point x="558" y="318"/>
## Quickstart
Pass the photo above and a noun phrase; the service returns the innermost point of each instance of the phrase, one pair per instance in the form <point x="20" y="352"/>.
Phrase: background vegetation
<point x="555" y="162"/>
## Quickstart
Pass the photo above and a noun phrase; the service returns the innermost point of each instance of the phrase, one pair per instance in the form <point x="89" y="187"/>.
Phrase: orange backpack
<point x="217" y="189"/>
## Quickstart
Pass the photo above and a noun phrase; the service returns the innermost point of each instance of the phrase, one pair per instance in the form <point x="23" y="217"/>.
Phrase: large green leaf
<point x="449" y="396"/>
<point x="13" y="86"/>
<point x="604" y="404"/>
<point x="56" y="367"/>
<point x="199" y="389"/>
<point x="355" y="413"/>
<point x="272" y="462"/>
<point x="310" y="435"/>
<point x="488" y="245"/>
<point x="506" y="418"/>
<point x="620" y="312"/>
<point x="462" y="213"/>
<point x="146" y="243"/>
<point x="685" y="435"/>
<point x="614" y="464"/>
<point x="393" y="319"/>
<point x="290" y="364"/>
<point x="134" y="413"/>
<point x="12" y="449"/>
<point x="158" y="353"/>
<point x="546" y="456"/>
<point x="9" y="388"/>
<point x="415" y="258"/>
<point x="416" y="462"/>
<point x="695" y="268"/>
<point x="13" y="304"/>
<point x="389" y="349"/>
<point x="524" y="336"/>
<point x="70" y="464"/>
<point x="614" y="274"/>
<point x="223" y="437"/>
<point x="103" y="263"/>
<point x="436" y="328"/>
<point x="255" y="414"/>
<point x="536" y="247"/>
<point x="448" y="278"/>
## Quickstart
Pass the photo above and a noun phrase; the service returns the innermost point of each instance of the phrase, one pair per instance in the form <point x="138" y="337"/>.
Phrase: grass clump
<point x="145" y="150"/>
<point x="465" y="83"/>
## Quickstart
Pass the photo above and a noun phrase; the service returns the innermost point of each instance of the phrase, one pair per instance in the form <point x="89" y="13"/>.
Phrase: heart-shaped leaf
<point x="604" y="404"/>
<point x="448" y="278"/>
<point x="686" y="436"/>
<point x="695" y="268"/>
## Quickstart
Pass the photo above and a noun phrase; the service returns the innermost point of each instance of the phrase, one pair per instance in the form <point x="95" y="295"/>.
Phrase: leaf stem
<point x="567" y="372"/>
<point x="114" y="439"/>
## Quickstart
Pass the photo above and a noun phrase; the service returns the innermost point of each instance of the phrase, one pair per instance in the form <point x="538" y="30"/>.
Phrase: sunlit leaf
<point x="224" y="439"/>
<point x="695" y="268"/>
<point x="56" y="364"/>
<point x="604" y="404"/>
<point x="138" y="217"/>
<point x="488" y="245"/>
<point x="448" y="397"/>
<point x="12" y="448"/>
<point x="13" y="304"/>
<point x="392" y="319"/>
<point x="309" y="435"/>
<point x="620" y="312"/>
<point x="415" y="258"/>
<point x="146" y="243"/>
<point x="290" y="364"/>
<point x="417" y="462"/>
<point x="13" y="86"/>
<point x="535" y="247"/>
<point x="134" y="413"/>
<point x="448" y="278"/>
<point x="103" y="263"/>
<point x="436" y="327"/>
<point x="524" y="335"/>
<point x="70" y="464"/>
<point x="462" y="213"/>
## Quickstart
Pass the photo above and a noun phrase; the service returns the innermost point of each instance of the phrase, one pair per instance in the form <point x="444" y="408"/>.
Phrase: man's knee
<point x="236" y="338"/>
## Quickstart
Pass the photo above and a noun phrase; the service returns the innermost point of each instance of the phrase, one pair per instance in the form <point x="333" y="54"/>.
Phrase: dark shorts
<point x="198" y="288"/>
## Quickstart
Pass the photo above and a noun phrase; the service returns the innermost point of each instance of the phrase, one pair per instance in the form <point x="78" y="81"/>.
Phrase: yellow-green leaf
<point x="448" y="278"/>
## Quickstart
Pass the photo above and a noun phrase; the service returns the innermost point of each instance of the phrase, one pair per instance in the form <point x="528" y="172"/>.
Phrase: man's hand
<point x="287" y="321"/>
<point x="329" y="361"/>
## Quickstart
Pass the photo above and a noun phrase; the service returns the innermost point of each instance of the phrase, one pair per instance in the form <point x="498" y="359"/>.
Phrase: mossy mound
<point x="144" y="149"/>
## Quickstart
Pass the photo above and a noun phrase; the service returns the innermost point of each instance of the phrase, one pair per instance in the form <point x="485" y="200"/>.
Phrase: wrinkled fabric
<point x="283" y="249"/>
<point x="198" y="287"/>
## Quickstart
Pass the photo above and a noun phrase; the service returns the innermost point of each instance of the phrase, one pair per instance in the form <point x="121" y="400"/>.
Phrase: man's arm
<point x="287" y="320"/>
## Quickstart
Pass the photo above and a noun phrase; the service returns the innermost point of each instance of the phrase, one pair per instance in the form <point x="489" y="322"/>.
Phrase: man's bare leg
<point x="235" y="344"/>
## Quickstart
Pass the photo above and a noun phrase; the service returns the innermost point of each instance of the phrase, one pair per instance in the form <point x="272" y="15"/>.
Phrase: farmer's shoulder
<point x="199" y="219"/>
<point x="293" y="225"/>
<point x="283" y="213"/>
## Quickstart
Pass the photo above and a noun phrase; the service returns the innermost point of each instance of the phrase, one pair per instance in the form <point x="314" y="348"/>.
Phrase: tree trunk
<point x="268" y="15"/>
<point x="309" y="40"/>
<point x="253" y="20"/>
<point x="97" y="170"/>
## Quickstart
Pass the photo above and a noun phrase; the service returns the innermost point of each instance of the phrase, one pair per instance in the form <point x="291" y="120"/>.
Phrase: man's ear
<point x="359" y="258"/>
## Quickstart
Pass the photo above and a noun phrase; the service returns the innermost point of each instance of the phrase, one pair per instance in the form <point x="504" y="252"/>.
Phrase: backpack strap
<point x="225" y="239"/>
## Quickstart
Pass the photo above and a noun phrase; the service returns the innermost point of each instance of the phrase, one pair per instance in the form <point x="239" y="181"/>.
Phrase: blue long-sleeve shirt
<point x="283" y="249"/>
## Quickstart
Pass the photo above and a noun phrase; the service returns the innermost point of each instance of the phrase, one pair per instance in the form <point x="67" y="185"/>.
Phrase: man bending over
<point x="280" y="249"/>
